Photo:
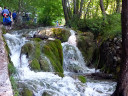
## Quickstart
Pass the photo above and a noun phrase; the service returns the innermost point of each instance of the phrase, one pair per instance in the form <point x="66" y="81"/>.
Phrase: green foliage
<point x="74" y="22"/>
<point x="107" y="28"/>
<point x="50" y="11"/>
<point x="82" y="79"/>
<point x="14" y="86"/>
<point x="11" y="69"/>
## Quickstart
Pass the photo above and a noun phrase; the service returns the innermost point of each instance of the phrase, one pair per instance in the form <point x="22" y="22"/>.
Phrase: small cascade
<point x="48" y="82"/>
<point x="73" y="59"/>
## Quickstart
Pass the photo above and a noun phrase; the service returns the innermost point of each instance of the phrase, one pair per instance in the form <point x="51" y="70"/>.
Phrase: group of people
<point x="6" y="13"/>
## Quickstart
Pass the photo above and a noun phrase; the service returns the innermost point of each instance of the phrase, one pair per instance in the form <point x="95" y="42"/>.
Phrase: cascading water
<point x="73" y="60"/>
<point x="40" y="82"/>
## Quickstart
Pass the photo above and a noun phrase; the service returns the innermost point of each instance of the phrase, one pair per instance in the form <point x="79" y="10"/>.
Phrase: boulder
<point x="107" y="56"/>
<point x="37" y="50"/>
<point x="61" y="34"/>
<point x="86" y="44"/>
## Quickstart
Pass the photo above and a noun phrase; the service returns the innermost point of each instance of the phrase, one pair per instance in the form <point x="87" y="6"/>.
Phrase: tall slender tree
<point x="118" y="6"/>
<point x="122" y="85"/>
<point x="102" y="8"/>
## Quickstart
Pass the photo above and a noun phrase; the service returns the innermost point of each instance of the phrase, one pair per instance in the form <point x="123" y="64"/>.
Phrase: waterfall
<point x="73" y="59"/>
<point x="40" y="82"/>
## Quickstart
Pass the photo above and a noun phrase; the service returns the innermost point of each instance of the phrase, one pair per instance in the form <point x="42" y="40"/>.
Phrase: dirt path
<point x="5" y="85"/>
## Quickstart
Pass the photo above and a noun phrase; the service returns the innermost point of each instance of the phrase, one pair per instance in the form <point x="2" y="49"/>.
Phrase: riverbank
<point x="5" y="85"/>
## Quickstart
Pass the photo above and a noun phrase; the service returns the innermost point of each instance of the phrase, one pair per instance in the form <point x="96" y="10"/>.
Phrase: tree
<point x="122" y="84"/>
<point x="72" y="9"/>
<point x="118" y="6"/>
<point x="102" y="8"/>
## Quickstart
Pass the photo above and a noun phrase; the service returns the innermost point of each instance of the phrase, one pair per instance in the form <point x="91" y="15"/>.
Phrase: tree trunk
<point x="64" y="3"/>
<point x="81" y="6"/>
<point x="122" y="85"/>
<point x="87" y="10"/>
<point x="118" y="6"/>
<point x="102" y="8"/>
<point x="74" y="1"/>
<point x="18" y="21"/>
<point x="76" y="7"/>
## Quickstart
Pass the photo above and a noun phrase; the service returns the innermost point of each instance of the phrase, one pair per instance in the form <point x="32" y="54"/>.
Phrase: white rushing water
<point x="40" y="82"/>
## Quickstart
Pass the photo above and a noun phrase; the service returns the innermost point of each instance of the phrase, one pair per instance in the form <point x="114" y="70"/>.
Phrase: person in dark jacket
<point x="14" y="16"/>
<point x="9" y="13"/>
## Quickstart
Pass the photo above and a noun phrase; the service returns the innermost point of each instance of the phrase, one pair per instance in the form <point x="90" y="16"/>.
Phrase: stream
<point x="48" y="82"/>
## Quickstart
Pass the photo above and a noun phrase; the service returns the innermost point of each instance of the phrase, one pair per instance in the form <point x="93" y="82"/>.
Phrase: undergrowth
<point x="109" y="27"/>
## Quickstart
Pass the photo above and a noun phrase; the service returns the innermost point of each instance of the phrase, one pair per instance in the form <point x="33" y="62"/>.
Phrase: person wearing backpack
<point x="5" y="11"/>
<point x="7" y="20"/>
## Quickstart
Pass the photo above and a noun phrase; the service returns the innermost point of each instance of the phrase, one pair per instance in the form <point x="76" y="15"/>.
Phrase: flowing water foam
<point x="40" y="82"/>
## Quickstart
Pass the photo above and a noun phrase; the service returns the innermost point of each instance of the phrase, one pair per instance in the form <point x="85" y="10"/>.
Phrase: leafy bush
<point x="109" y="27"/>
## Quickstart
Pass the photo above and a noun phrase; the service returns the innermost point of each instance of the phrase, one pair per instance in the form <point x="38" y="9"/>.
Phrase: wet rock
<point x="44" y="65"/>
<point x="46" y="94"/>
<point x="62" y="34"/>
<point x="86" y="45"/>
<point x="109" y="56"/>
<point x="37" y="49"/>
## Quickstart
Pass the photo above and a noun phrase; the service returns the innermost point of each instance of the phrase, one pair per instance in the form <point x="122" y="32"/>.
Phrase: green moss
<point x="3" y="30"/>
<point x="62" y="34"/>
<point x="37" y="39"/>
<point x="37" y="51"/>
<point x="11" y="69"/>
<point x="14" y="86"/>
<point x="44" y="65"/>
<point x="53" y="50"/>
<point x="61" y="74"/>
<point x="86" y="45"/>
<point x="82" y="79"/>
<point x="27" y="92"/>
<point x="27" y="49"/>
<point x="35" y="65"/>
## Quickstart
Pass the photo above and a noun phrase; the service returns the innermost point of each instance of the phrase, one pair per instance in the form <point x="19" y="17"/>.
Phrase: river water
<point x="40" y="82"/>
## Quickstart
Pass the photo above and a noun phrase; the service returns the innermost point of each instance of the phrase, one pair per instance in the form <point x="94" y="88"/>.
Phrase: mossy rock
<point x="35" y="65"/>
<point x="27" y="49"/>
<point x="62" y="34"/>
<point x="27" y="92"/>
<point x="82" y="79"/>
<point x="44" y="65"/>
<point x="86" y="45"/>
<point x="37" y="39"/>
<point x="53" y="50"/>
